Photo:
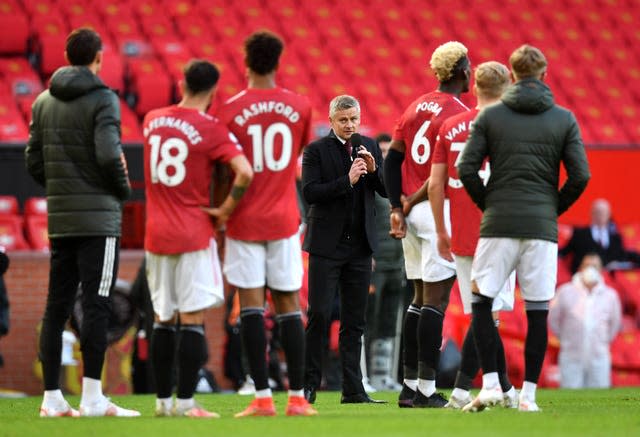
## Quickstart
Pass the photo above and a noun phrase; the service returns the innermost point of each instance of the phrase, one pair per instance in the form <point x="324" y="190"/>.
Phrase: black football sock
<point x="410" y="342"/>
<point x="535" y="344"/>
<point x="469" y="363"/>
<point x="255" y="342"/>
<point x="484" y="332"/>
<point x="503" y="374"/>
<point x="429" y="341"/>
<point x="163" y="349"/>
<point x="192" y="355"/>
<point x="292" y="338"/>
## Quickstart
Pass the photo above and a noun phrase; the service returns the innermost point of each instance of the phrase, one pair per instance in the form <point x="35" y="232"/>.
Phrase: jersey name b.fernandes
<point x="180" y="148"/>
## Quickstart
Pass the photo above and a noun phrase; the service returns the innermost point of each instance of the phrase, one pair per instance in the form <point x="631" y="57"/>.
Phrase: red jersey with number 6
<point x="180" y="148"/>
<point x="272" y="125"/>
<point x="465" y="215"/>
<point x="418" y="129"/>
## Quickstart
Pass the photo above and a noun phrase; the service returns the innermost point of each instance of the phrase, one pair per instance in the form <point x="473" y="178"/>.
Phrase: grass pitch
<point x="607" y="413"/>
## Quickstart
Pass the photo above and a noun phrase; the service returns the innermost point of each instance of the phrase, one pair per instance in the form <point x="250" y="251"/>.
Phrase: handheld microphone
<point x="356" y="142"/>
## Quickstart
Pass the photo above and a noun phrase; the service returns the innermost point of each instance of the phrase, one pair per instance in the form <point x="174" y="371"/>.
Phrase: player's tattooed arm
<point x="238" y="191"/>
<point x="243" y="176"/>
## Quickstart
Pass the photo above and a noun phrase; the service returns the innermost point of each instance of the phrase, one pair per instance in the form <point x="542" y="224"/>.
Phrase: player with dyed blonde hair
<point x="491" y="80"/>
<point x="406" y="170"/>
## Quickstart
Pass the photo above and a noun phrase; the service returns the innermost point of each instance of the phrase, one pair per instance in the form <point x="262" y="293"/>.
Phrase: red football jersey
<point x="180" y="148"/>
<point x="418" y="128"/>
<point x="465" y="215"/>
<point x="272" y="125"/>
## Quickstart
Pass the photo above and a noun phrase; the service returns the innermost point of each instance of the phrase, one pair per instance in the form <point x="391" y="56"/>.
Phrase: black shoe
<point x="310" y="394"/>
<point x="436" y="400"/>
<point x="405" y="400"/>
<point x="360" y="398"/>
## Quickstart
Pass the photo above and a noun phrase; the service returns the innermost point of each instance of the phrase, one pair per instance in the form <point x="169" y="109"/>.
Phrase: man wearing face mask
<point x="585" y="315"/>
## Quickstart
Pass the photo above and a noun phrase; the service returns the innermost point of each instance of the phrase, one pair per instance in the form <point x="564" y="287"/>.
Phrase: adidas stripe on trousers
<point x="90" y="263"/>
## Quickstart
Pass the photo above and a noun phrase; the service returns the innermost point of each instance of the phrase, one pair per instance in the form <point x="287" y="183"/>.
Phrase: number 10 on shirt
<point x="263" y="146"/>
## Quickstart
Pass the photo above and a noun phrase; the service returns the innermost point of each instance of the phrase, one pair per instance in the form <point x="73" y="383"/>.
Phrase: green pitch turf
<point x="565" y="413"/>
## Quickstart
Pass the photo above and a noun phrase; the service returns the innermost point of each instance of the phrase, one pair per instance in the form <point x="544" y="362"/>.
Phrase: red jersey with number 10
<point x="180" y="148"/>
<point x="418" y="129"/>
<point x="272" y="125"/>
<point x="465" y="215"/>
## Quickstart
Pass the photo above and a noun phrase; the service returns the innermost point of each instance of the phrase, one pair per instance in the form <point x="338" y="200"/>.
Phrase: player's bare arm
<point x="436" y="187"/>
<point x="412" y="200"/>
<point x="243" y="176"/>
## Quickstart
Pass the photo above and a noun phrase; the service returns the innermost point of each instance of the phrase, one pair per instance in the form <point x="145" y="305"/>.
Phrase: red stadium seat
<point x="133" y="217"/>
<point x="11" y="236"/>
<point x="36" y="232"/>
<point x="35" y="206"/>
<point x="13" y="127"/>
<point x="15" y="28"/>
<point x="130" y="126"/>
<point x="52" y="34"/>
<point x="8" y="205"/>
<point x="150" y="85"/>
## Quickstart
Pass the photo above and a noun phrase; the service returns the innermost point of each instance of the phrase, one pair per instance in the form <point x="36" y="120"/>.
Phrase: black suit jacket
<point x="582" y="243"/>
<point x="326" y="188"/>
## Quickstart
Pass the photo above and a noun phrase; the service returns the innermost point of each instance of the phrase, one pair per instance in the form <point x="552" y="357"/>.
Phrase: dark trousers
<point x="93" y="263"/>
<point x="350" y="276"/>
<point x="385" y="303"/>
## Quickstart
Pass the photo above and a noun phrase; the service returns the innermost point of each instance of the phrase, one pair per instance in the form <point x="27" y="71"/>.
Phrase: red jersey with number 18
<point x="418" y="129"/>
<point x="180" y="148"/>
<point x="465" y="215"/>
<point x="272" y="125"/>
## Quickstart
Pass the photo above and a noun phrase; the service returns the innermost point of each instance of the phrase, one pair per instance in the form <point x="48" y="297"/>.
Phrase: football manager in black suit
<point x="340" y="175"/>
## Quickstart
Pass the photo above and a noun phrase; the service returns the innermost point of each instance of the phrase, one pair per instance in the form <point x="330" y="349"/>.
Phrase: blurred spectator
<point x="601" y="237"/>
<point x="585" y="315"/>
<point x="386" y="296"/>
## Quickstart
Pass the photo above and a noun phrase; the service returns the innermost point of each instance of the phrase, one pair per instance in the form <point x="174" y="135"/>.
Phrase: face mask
<point x="590" y="275"/>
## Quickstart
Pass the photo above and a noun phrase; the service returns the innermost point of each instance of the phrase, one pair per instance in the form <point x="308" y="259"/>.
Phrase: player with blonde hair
<point x="406" y="170"/>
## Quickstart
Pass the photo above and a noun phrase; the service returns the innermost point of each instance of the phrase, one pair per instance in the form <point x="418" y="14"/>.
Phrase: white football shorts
<point x="502" y="302"/>
<point x="185" y="282"/>
<point x="420" y="246"/>
<point x="534" y="261"/>
<point x="253" y="264"/>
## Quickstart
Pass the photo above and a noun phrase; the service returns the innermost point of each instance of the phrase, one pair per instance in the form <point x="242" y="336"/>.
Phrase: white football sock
<point x="298" y="393"/>
<point x="528" y="391"/>
<point x="53" y="398"/>
<point x="427" y="386"/>
<point x="91" y="391"/>
<point x="265" y="393"/>
<point x="411" y="383"/>
<point x="185" y="404"/>
<point x="490" y="380"/>
<point x="459" y="393"/>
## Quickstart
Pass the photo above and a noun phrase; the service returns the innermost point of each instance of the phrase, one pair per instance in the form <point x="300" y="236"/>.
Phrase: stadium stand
<point x="384" y="43"/>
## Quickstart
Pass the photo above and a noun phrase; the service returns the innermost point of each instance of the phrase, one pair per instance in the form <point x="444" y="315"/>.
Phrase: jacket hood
<point x="529" y="96"/>
<point x="69" y="83"/>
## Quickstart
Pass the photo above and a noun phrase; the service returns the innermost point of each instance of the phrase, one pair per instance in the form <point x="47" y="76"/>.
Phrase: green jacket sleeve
<point x="108" y="148"/>
<point x="33" y="152"/>
<point x="575" y="162"/>
<point x="471" y="160"/>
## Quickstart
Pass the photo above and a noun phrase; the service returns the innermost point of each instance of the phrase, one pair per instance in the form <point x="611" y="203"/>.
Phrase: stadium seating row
<point x="377" y="50"/>
<point x="27" y="231"/>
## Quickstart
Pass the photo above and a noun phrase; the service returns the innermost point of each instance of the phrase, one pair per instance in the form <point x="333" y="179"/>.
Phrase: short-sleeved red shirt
<point x="180" y="148"/>
<point x="272" y="126"/>
<point x="418" y="128"/>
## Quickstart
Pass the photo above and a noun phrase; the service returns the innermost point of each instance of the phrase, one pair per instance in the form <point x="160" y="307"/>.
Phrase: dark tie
<point x="347" y="147"/>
